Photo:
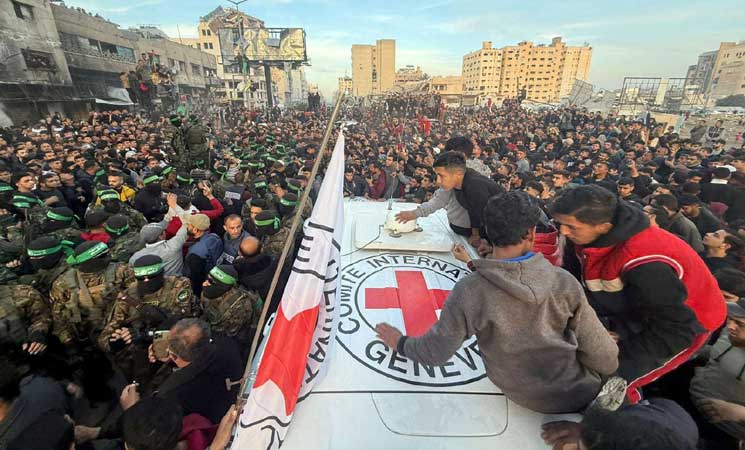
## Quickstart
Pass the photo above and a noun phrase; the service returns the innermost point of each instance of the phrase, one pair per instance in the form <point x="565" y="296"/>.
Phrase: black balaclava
<point x="149" y="274"/>
<point x="117" y="225"/>
<point x="222" y="278"/>
<point x="152" y="185"/>
<point x="110" y="201"/>
<point x="90" y="257"/>
<point x="45" y="252"/>
<point x="287" y="204"/>
<point x="58" y="219"/>
<point x="267" y="223"/>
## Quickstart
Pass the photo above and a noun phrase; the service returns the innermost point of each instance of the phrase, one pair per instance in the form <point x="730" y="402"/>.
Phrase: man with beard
<point x="111" y="202"/>
<point x="231" y="240"/>
<point x="149" y="202"/>
<point x="204" y="253"/>
<point x="147" y="304"/>
<point x="229" y="309"/>
<point x="115" y="180"/>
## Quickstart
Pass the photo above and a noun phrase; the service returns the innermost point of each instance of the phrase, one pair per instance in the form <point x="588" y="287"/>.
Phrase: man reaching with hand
<point x="541" y="342"/>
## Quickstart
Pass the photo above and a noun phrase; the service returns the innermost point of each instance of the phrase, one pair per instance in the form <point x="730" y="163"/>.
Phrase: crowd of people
<point x="137" y="255"/>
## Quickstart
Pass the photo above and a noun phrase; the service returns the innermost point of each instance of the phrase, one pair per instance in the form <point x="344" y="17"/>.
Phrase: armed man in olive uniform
<point x="229" y="309"/>
<point x="125" y="241"/>
<point x="195" y="138"/>
<point x="151" y="303"/>
<point x="25" y="318"/>
<point x="112" y="204"/>
<point x="174" y="133"/>
<point x="82" y="297"/>
<point x="46" y="255"/>
<point x="272" y="234"/>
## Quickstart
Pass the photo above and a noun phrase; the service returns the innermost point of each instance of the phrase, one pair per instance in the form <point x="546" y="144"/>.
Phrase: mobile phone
<point x="160" y="344"/>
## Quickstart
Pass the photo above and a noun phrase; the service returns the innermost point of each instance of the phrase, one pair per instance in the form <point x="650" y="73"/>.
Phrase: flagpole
<point x="286" y="248"/>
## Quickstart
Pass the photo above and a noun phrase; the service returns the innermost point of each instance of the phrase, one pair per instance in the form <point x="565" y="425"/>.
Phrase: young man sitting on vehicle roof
<point x="541" y="342"/>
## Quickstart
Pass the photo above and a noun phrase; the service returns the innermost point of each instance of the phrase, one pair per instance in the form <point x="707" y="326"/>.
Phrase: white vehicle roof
<point x="372" y="397"/>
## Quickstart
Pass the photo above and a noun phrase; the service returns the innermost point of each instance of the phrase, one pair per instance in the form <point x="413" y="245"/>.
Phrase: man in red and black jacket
<point x="650" y="288"/>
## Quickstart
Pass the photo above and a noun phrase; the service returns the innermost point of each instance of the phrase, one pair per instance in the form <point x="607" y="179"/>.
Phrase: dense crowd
<point x="137" y="255"/>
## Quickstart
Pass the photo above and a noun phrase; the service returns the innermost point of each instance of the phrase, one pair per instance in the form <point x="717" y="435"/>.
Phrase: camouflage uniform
<point x="141" y="314"/>
<point x="195" y="138"/>
<point x="273" y="244"/>
<point x="176" y="136"/>
<point x="234" y="313"/>
<point x="175" y="298"/>
<point x="125" y="246"/>
<point x="43" y="279"/>
<point x="135" y="219"/>
<point x="66" y="234"/>
<point x="79" y="314"/>
<point x="24" y="314"/>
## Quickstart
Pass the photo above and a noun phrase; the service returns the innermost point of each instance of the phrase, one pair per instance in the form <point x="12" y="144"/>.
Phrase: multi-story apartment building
<point x="373" y="67"/>
<point x="545" y="72"/>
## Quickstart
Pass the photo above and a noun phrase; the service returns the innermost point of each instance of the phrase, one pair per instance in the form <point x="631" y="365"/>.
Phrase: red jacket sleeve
<point x="173" y="227"/>
<point x="216" y="211"/>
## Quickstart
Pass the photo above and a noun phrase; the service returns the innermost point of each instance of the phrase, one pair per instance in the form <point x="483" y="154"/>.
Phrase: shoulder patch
<point x="183" y="294"/>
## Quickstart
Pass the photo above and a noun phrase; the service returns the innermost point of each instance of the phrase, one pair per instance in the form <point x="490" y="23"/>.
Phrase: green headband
<point x="222" y="277"/>
<point x="21" y="201"/>
<point x="184" y="179"/>
<point x="271" y="158"/>
<point x="254" y="165"/>
<point x="260" y="184"/>
<point x="59" y="217"/>
<point x="167" y="170"/>
<point x="146" y="271"/>
<point x="93" y="252"/>
<point x="117" y="231"/>
<point x="100" y="173"/>
<point x="268" y="222"/>
<point x="44" y="251"/>
<point x="108" y="195"/>
<point x="287" y="202"/>
<point x="294" y="188"/>
<point x="150" y="179"/>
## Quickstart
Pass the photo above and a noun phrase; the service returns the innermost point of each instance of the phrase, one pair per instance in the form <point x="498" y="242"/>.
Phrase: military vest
<point x="79" y="311"/>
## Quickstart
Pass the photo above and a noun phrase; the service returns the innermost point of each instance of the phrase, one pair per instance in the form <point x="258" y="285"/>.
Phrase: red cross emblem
<point x="417" y="302"/>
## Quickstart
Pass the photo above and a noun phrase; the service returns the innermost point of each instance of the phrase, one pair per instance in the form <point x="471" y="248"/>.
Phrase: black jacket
<point x="255" y="273"/>
<point x="473" y="195"/>
<point x="200" y="387"/>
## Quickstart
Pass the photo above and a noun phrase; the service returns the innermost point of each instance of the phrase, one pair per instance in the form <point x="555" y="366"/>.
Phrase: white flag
<point x="295" y="356"/>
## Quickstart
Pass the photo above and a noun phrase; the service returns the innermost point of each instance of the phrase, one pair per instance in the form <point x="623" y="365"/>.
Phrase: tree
<point x="732" y="100"/>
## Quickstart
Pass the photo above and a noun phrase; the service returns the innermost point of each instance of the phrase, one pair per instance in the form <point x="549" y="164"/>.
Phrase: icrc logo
<point x="407" y="291"/>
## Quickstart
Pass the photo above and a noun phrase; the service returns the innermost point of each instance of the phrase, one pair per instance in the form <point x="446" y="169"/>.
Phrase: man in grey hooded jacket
<point x="541" y="342"/>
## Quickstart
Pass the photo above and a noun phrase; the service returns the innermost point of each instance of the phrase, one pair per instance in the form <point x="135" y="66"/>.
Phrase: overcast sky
<point x="630" y="38"/>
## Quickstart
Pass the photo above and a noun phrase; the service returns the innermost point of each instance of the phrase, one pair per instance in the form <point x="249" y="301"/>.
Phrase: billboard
<point x="264" y="44"/>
